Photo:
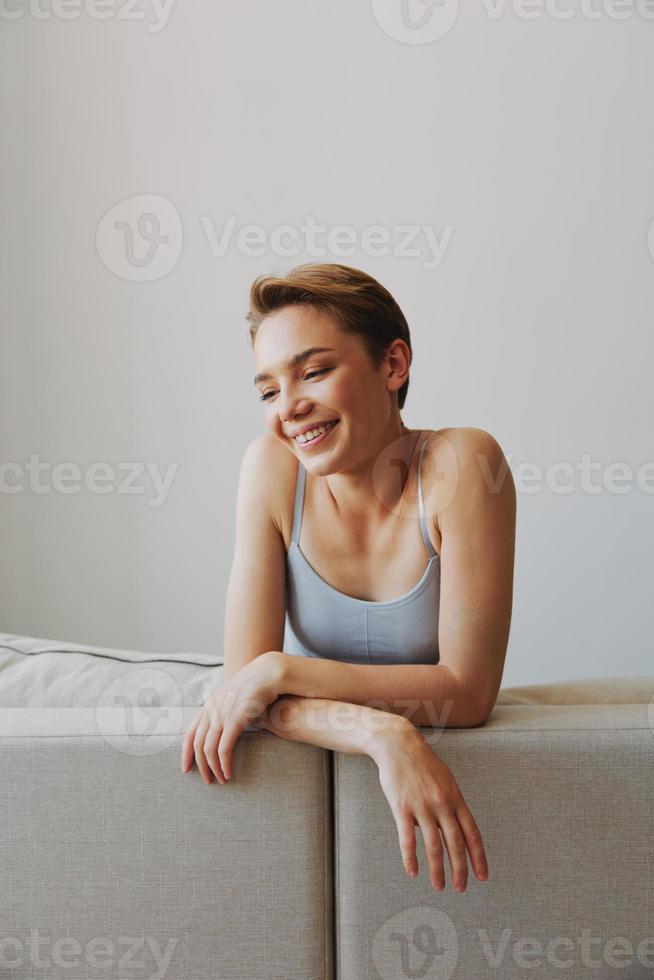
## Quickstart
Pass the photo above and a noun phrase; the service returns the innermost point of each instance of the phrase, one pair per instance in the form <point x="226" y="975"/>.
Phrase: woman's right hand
<point x="421" y="790"/>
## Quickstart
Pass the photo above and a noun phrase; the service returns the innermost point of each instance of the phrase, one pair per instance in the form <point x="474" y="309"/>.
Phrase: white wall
<point x="530" y="139"/>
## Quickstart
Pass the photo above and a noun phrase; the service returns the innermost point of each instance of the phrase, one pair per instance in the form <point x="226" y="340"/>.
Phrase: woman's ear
<point x="399" y="360"/>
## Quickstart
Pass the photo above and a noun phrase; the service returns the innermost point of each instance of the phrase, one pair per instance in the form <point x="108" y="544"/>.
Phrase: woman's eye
<point x="311" y="374"/>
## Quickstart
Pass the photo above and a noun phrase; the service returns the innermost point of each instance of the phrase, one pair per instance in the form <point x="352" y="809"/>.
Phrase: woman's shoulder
<point x="282" y="461"/>
<point x="458" y="444"/>
<point x="460" y="436"/>
<point x="277" y="467"/>
<point x="455" y="454"/>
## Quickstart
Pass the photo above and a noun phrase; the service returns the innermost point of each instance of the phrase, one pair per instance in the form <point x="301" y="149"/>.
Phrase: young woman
<point x="330" y="608"/>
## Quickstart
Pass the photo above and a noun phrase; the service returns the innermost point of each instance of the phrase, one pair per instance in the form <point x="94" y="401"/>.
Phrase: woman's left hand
<point x="227" y="711"/>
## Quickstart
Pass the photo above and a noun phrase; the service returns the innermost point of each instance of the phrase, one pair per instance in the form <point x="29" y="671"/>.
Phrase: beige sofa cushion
<point x="40" y="673"/>
<point x="599" y="690"/>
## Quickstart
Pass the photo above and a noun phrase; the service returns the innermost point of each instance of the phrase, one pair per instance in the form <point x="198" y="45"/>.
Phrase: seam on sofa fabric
<point x="504" y="732"/>
<point x="165" y="658"/>
<point x="329" y="890"/>
<point x="578" y="728"/>
<point x="335" y="873"/>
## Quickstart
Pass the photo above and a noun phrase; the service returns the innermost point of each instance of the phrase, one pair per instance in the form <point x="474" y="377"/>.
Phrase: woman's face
<point x="340" y="383"/>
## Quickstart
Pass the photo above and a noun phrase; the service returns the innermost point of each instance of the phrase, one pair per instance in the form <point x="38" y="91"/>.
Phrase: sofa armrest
<point x="120" y="865"/>
<point x="564" y="798"/>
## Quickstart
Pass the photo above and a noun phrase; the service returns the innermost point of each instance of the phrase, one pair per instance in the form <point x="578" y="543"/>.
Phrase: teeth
<point x="313" y="433"/>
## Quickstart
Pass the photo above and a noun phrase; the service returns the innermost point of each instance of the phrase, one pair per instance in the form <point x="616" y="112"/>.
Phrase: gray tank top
<point x="323" y="622"/>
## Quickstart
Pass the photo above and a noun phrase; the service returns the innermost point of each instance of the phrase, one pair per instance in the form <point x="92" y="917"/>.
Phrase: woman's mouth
<point x="316" y="436"/>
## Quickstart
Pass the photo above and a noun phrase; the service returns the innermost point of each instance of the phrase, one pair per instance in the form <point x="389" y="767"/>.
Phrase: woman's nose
<point x="290" y="406"/>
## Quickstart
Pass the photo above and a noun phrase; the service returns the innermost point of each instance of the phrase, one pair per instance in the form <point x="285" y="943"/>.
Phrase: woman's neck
<point x="372" y="494"/>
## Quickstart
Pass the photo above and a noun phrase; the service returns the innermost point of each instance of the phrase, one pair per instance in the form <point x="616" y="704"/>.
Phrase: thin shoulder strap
<point x="299" y="501"/>
<point x="421" y="507"/>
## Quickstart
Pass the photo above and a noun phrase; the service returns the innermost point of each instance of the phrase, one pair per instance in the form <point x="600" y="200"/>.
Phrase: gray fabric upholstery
<point x="54" y="674"/>
<point x="600" y="690"/>
<point x="120" y="866"/>
<point x="564" y="797"/>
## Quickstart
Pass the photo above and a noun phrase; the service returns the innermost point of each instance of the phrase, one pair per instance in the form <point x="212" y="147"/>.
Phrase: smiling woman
<point x="354" y="617"/>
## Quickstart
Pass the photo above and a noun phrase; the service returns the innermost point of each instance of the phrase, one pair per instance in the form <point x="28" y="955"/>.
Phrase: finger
<point x="431" y="836"/>
<point x="211" y="707"/>
<point x="473" y="841"/>
<point x="226" y="748"/>
<point x="198" y="746"/>
<point x="211" y="754"/>
<point x="407" y="836"/>
<point x="456" y="850"/>
<point x="187" y="743"/>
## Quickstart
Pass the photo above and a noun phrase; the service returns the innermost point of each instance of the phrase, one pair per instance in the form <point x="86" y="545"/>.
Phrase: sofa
<point x="116" y="865"/>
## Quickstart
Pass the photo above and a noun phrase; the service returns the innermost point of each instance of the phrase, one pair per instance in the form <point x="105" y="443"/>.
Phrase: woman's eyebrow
<point x="294" y="361"/>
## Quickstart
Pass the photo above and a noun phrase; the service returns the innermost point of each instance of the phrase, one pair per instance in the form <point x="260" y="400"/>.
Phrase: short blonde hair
<point x="356" y="302"/>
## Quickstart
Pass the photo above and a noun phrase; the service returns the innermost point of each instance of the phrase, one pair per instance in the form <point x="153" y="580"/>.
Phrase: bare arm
<point x="335" y="725"/>
<point x="419" y="787"/>
<point x="255" y="600"/>
<point x="425" y="694"/>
